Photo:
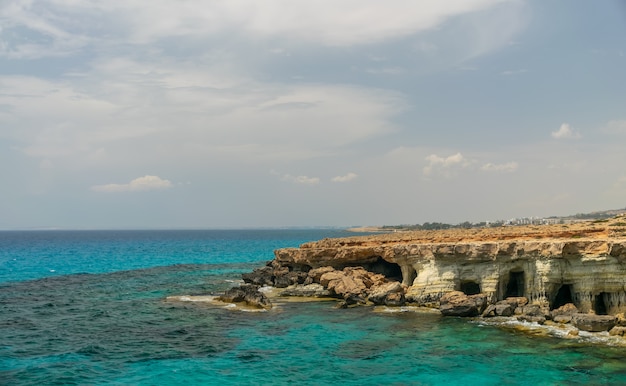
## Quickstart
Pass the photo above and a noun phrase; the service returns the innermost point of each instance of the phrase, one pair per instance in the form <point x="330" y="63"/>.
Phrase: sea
<point x="91" y="308"/>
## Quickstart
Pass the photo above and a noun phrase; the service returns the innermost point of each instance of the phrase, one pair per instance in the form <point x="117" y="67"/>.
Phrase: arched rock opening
<point x="600" y="304"/>
<point x="469" y="287"/>
<point x="562" y="297"/>
<point x="515" y="285"/>
<point x="391" y="271"/>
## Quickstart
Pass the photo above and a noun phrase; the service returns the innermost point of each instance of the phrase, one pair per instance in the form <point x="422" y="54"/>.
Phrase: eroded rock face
<point x="583" y="264"/>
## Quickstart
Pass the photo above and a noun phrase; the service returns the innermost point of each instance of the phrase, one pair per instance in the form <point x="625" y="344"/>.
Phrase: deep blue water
<point x="89" y="308"/>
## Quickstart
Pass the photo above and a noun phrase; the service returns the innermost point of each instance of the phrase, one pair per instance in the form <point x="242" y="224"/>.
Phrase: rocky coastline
<point x="566" y="274"/>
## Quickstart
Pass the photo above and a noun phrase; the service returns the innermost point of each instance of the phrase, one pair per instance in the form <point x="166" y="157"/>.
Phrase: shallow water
<point x="116" y="328"/>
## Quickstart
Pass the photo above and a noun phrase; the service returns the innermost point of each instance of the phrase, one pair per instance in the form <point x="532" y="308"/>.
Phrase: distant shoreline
<point x="371" y="229"/>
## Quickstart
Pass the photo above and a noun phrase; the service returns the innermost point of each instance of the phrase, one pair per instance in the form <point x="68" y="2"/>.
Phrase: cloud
<point x="504" y="168"/>
<point x="223" y="113"/>
<point x="445" y="165"/>
<point x="303" y="180"/>
<point x="144" y="183"/>
<point x="69" y="25"/>
<point x="346" y="178"/>
<point x="566" y="132"/>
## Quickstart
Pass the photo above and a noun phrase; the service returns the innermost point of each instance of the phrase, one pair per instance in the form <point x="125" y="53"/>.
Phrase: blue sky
<point x="240" y="113"/>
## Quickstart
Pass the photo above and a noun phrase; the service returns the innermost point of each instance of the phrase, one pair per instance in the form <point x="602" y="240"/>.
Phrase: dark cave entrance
<point x="599" y="305"/>
<point x="563" y="296"/>
<point x="515" y="286"/>
<point x="469" y="287"/>
<point x="391" y="271"/>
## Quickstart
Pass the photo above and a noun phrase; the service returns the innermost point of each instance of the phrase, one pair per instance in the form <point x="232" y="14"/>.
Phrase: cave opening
<point x="391" y="271"/>
<point x="599" y="305"/>
<point x="469" y="287"/>
<point x="515" y="286"/>
<point x="563" y="296"/>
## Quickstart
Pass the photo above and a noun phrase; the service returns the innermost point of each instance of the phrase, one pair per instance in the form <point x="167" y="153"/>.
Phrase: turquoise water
<point x="89" y="308"/>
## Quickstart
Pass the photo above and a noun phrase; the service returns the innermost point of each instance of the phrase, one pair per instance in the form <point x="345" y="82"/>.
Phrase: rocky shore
<point x="566" y="274"/>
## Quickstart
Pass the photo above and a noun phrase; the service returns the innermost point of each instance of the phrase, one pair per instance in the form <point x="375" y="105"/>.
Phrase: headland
<point x="563" y="273"/>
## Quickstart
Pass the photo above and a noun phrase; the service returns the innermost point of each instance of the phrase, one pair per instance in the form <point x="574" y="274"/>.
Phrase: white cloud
<point x="306" y="180"/>
<point x="138" y="184"/>
<point x="565" y="132"/>
<point x="90" y="118"/>
<point x="505" y="168"/>
<point x="303" y="180"/>
<point x="445" y="165"/>
<point x="346" y="178"/>
<point x="68" y="25"/>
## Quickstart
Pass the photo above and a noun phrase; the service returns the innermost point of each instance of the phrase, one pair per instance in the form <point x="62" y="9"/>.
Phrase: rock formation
<point x="248" y="294"/>
<point x="567" y="273"/>
<point x="550" y="265"/>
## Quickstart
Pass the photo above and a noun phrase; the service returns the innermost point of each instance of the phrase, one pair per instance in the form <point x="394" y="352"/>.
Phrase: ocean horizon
<point x="89" y="307"/>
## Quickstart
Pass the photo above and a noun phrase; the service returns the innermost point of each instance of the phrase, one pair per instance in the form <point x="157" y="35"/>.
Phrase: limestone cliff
<point x="551" y="265"/>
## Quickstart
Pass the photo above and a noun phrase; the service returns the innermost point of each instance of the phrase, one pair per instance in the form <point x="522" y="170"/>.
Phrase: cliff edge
<point x="550" y="265"/>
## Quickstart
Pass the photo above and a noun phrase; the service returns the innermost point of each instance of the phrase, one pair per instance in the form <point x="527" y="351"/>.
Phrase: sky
<point x="247" y="113"/>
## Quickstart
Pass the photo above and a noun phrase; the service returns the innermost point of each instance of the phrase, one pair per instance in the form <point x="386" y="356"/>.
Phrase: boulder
<point x="315" y="274"/>
<point x="515" y="301"/>
<point x="490" y="311"/>
<point x="380" y="294"/>
<point x="621" y="319"/>
<point x="248" y="293"/>
<point x="564" y="313"/>
<point x="290" y="278"/>
<point x="618" y="331"/>
<point x="594" y="323"/>
<point x="504" y="309"/>
<point x="260" y="276"/>
<point x="456" y="303"/>
<point x="396" y="299"/>
<point x="534" y="310"/>
<point x="352" y="282"/>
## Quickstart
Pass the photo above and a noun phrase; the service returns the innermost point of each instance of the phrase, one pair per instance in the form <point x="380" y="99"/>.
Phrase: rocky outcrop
<point x="556" y="274"/>
<point x="246" y="293"/>
<point x="583" y="264"/>
<point x="594" y="323"/>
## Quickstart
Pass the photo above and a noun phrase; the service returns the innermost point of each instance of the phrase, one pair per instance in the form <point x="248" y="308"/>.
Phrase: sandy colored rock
<point x="584" y="261"/>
